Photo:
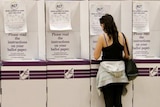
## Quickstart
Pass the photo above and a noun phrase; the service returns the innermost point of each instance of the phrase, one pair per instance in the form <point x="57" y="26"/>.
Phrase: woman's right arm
<point x="98" y="48"/>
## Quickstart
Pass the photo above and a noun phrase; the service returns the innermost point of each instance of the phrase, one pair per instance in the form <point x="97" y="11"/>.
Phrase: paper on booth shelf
<point x="65" y="59"/>
<point x="31" y="60"/>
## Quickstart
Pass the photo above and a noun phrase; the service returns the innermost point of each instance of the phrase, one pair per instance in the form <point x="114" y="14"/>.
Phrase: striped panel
<point x="21" y="75"/>
<point x="23" y="70"/>
<point x="68" y="69"/>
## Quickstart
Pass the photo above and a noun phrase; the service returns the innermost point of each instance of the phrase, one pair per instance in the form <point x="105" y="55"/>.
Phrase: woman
<point x="111" y="75"/>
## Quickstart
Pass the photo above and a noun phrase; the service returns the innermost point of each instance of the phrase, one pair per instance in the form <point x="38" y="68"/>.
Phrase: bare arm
<point x="98" y="48"/>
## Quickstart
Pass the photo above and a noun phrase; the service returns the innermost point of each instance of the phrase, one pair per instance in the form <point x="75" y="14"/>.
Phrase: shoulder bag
<point x="130" y="66"/>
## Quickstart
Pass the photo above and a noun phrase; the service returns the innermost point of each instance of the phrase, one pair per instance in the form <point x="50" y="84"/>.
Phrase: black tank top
<point x="113" y="52"/>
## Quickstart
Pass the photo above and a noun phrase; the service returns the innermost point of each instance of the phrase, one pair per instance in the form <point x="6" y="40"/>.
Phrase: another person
<point x="111" y="75"/>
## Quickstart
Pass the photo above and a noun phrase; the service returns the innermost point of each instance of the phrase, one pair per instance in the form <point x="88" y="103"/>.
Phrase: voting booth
<point x="122" y="14"/>
<point x="146" y="52"/>
<point x="23" y="71"/>
<point x="146" y="85"/>
<point x="67" y="45"/>
<point x="22" y="30"/>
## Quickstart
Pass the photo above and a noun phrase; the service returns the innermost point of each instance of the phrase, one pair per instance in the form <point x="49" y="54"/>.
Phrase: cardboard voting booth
<point x="23" y="71"/>
<point x="121" y="12"/>
<point x="22" y="30"/>
<point x="67" y="35"/>
<point x="68" y="65"/>
<point x="146" y="85"/>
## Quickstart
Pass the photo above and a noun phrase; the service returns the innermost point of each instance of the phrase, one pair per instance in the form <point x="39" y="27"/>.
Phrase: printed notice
<point x="59" y="45"/>
<point x="97" y="11"/>
<point x="14" y="16"/>
<point x="59" y="17"/>
<point x="140" y="17"/>
<point x="141" y="45"/>
<point x="17" y="46"/>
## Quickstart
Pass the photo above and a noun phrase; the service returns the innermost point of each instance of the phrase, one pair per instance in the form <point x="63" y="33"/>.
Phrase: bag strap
<point x="105" y="39"/>
<point x="126" y="43"/>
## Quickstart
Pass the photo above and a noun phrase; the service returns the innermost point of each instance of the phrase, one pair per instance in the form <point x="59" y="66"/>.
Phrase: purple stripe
<point x="13" y="78"/>
<point x="50" y="71"/>
<point x="94" y="73"/>
<point x="60" y="73"/>
<point x="16" y="75"/>
<point x="54" y="76"/>
<point x="94" y="70"/>
<point x="74" y="73"/>
<point x="17" y="71"/>
<point x="3" y="75"/>
<point x="84" y="62"/>
<point x="38" y="77"/>
<point x="9" y="72"/>
<point x="57" y="75"/>
<point x="31" y="63"/>
<point x="95" y="61"/>
<point x="143" y="75"/>
<point x="147" y="60"/>
<point x="62" y="77"/>
<point x="136" y="60"/>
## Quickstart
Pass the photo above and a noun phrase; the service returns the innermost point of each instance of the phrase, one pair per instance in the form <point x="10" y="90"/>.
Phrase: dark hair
<point x="109" y="26"/>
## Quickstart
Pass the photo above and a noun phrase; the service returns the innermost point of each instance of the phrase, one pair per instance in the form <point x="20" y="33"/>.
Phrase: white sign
<point x="17" y="46"/>
<point x="62" y="45"/>
<point x="96" y="12"/>
<point x="140" y="17"/>
<point x="141" y="45"/>
<point x="14" y="16"/>
<point x="59" y="17"/>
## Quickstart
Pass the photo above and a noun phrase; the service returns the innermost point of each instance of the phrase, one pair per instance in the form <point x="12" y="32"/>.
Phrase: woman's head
<point x="108" y="24"/>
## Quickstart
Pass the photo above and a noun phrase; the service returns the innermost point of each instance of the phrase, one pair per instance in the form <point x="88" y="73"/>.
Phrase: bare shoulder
<point x="120" y="34"/>
<point x="100" y="37"/>
<point x="121" y="38"/>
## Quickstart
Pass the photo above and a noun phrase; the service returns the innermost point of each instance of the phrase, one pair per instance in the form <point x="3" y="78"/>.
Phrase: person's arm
<point x="98" y="48"/>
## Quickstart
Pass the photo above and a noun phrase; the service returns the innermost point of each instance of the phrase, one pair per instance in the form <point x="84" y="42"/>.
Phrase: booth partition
<point x="47" y="51"/>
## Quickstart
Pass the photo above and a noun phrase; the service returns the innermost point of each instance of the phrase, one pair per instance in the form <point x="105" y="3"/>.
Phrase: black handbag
<point x="130" y="66"/>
